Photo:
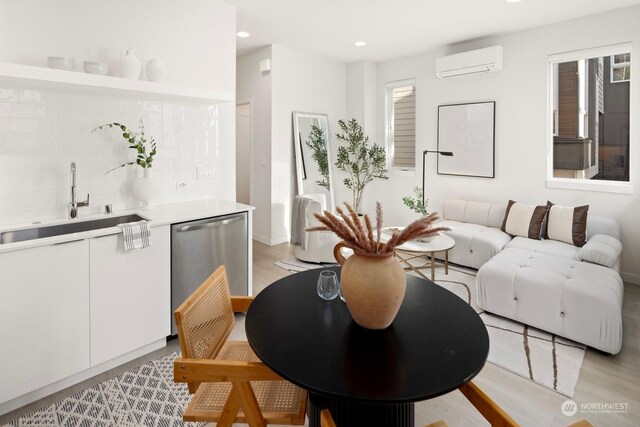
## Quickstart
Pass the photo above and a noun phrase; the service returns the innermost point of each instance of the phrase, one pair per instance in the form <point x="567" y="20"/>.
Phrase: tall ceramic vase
<point x="146" y="189"/>
<point x="373" y="286"/>
<point x="131" y="65"/>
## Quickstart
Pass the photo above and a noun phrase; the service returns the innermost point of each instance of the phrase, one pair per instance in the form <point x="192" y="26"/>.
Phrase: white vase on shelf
<point x="146" y="189"/>
<point x="155" y="70"/>
<point x="131" y="65"/>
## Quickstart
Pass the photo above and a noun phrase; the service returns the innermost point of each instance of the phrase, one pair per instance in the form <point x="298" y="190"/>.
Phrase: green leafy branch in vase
<point x="137" y="142"/>
<point x="416" y="205"/>
<point x="318" y="145"/>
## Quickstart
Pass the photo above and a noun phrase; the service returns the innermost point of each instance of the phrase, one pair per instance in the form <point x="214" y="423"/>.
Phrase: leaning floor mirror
<point x="313" y="155"/>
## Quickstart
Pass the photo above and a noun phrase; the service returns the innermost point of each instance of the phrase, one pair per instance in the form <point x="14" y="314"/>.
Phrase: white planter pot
<point x="146" y="189"/>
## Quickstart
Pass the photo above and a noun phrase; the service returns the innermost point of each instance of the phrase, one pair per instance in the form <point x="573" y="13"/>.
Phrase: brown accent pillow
<point x="523" y="220"/>
<point x="567" y="224"/>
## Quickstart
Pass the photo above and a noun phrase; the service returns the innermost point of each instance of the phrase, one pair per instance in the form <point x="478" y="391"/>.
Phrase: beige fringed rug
<point x="538" y="356"/>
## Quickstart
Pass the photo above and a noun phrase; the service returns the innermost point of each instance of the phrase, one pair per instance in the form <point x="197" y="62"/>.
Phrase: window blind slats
<point x="402" y="126"/>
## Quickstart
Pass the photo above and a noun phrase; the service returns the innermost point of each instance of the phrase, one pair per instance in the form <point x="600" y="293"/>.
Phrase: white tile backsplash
<point x="42" y="132"/>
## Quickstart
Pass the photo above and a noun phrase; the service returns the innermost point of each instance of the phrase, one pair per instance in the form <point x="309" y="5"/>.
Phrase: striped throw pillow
<point x="567" y="224"/>
<point x="523" y="220"/>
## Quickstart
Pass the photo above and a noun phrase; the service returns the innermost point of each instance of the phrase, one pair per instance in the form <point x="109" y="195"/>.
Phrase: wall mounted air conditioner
<point x="485" y="60"/>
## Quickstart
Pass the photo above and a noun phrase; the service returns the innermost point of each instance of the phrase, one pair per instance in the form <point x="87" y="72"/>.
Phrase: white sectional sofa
<point x="555" y="286"/>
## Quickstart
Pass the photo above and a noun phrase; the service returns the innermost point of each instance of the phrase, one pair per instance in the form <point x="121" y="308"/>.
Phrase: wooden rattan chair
<point x="489" y="409"/>
<point x="229" y="381"/>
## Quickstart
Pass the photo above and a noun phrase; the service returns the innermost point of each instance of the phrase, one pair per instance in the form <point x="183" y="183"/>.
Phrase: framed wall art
<point x="468" y="131"/>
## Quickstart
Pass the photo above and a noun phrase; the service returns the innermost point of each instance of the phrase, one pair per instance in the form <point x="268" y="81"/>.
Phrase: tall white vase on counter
<point x="146" y="189"/>
<point x="155" y="70"/>
<point x="131" y="65"/>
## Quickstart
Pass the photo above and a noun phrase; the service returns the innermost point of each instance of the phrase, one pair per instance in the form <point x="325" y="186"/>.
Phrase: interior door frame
<point x="248" y="101"/>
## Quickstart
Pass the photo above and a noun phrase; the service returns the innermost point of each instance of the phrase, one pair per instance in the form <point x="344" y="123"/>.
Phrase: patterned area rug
<point x="143" y="396"/>
<point x="538" y="356"/>
<point x="294" y="265"/>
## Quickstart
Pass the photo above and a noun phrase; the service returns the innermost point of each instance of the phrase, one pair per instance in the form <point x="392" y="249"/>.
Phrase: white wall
<point x="307" y="83"/>
<point x="255" y="87"/>
<point x="194" y="38"/>
<point x="361" y="105"/>
<point x="42" y="131"/>
<point x="520" y="92"/>
<point x="298" y="81"/>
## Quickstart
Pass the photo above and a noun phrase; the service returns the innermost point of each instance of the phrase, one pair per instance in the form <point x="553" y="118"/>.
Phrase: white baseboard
<point x="262" y="239"/>
<point x="268" y="241"/>
<point x="631" y="278"/>
<point x="45" y="391"/>
<point x="279" y="240"/>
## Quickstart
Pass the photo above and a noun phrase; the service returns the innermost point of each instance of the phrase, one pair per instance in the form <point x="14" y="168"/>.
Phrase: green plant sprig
<point x="137" y="142"/>
<point x="416" y="204"/>
<point x="362" y="162"/>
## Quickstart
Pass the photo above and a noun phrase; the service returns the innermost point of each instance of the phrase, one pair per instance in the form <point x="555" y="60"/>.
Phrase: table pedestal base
<point x="349" y="413"/>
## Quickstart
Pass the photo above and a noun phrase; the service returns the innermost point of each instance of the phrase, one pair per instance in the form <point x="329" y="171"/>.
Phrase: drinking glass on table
<point x="328" y="285"/>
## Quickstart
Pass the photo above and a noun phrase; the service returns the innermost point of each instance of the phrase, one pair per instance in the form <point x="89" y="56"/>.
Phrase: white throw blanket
<point x="299" y="221"/>
<point x="137" y="235"/>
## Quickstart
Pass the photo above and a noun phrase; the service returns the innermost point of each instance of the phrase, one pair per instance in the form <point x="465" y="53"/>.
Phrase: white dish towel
<point x="137" y="235"/>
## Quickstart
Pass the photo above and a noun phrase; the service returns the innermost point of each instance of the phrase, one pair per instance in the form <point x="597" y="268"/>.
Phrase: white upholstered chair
<point x="318" y="245"/>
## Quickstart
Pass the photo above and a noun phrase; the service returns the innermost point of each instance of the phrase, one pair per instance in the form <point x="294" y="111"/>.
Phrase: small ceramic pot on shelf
<point x="155" y="70"/>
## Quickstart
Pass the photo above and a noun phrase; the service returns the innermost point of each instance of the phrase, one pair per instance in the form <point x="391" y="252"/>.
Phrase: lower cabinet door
<point x="44" y="316"/>
<point x="130" y="294"/>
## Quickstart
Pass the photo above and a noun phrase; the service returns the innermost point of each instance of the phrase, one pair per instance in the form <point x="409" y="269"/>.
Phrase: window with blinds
<point x="401" y="123"/>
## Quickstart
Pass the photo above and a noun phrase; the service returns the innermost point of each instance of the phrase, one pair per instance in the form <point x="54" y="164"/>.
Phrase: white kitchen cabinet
<point x="44" y="316"/>
<point x="130" y="294"/>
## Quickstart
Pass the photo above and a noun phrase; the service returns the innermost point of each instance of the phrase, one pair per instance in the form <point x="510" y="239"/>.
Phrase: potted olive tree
<point x="363" y="162"/>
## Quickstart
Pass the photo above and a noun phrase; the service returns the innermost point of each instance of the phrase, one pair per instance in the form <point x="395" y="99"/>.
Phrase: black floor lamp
<point x="424" y="155"/>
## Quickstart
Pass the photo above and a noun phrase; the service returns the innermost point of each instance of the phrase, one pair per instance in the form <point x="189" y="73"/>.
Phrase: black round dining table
<point x="436" y="343"/>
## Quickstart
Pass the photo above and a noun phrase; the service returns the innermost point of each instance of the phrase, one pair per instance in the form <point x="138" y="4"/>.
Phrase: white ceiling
<point x="395" y="28"/>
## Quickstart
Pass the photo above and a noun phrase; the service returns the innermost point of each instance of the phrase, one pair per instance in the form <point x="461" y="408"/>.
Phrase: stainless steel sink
<point x="66" y="228"/>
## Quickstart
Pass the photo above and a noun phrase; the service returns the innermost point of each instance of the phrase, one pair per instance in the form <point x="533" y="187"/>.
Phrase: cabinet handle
<point x="212" y="224"/>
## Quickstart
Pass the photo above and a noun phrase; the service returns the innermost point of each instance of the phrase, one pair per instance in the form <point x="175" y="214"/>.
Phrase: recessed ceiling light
<point x="513" y="1"/>
<point x="243" y="34"/>
<point x="360" y="43"/>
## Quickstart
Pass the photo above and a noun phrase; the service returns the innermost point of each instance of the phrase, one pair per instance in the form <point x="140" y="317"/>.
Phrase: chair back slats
<point x="205" y="320"/>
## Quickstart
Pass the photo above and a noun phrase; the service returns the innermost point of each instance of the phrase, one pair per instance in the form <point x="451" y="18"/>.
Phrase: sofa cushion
<point x="567" y="224"/>
<point x="487" y="214"/>
<point x="475" y="244"/>
<point x="601" y="249"/>
<point x="573" y="299"/>
<point x="523" y="220"/>
<point x="547" y="247"/>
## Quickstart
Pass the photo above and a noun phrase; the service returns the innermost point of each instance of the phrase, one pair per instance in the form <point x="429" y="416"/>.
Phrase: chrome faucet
<point x="73" y="206"/>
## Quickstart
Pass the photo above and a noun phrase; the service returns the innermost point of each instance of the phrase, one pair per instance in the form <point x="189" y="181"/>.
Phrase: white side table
<point x="418" y="249"/>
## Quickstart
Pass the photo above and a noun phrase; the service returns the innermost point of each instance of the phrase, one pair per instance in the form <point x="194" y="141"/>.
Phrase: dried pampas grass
<point x="361" y="237"/>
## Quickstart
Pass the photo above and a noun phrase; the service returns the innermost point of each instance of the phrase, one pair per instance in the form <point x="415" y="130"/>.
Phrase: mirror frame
<point x="299" y="159"/>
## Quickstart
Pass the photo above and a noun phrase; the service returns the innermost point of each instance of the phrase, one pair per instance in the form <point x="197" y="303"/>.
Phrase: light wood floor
<point x="603" y="379"/>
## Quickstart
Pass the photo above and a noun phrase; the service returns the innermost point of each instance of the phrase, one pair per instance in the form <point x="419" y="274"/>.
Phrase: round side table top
<point x="439" y="243"/>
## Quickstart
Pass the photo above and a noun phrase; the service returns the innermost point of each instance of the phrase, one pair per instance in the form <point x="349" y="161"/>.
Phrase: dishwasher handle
<point x="212" y="224"/>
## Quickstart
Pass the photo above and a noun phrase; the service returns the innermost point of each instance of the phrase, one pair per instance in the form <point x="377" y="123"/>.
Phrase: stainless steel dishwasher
<point x="199" y="247"/>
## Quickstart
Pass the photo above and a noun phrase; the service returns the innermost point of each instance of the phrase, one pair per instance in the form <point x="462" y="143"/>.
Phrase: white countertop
<point x="158" y="216"/>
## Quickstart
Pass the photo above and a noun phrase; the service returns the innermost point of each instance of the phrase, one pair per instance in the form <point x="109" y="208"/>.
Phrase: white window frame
<point x="388" y="125"/>
<point x="613" y="66"/>
<point x="586" y="184"/>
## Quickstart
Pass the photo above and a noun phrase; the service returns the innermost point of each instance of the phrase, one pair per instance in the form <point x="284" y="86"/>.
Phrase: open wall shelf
<point x="48" y="78"/>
